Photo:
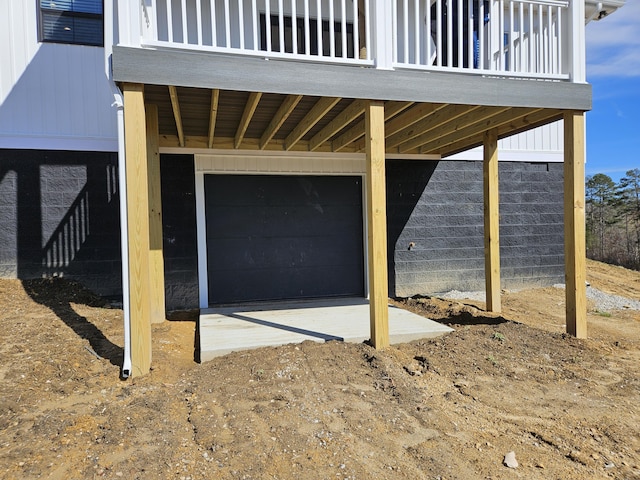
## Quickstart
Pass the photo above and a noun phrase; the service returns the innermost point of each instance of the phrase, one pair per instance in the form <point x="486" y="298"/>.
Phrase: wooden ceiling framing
<point x="201" y="118"/>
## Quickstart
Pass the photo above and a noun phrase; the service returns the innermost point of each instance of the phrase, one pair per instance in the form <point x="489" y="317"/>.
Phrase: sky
<point x="613" y="69"/>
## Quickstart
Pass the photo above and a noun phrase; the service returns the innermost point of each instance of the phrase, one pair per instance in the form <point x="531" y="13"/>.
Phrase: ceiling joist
<point x="286" y="108"/>
<point x="439" y="142"/>
<point x="213" y="115"/>
<point x="427" y="124"/>
<point x="175" y="105"/>
<point x="391" y="109"/>
<point x="452" y="126"/>
<point x="319" y="110"/>
<point x="344" y="118"/>
<point x="247" y="115"/>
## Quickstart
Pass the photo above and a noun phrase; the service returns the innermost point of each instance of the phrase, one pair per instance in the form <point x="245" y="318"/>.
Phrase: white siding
<point x="52" y="96"/>
<point x="542" y="144"/>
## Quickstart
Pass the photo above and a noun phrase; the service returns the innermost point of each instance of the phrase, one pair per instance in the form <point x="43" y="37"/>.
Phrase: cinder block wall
<point x="179" y="231"/>
<point x="435" y="218"/>
<point x="59" y="216"/>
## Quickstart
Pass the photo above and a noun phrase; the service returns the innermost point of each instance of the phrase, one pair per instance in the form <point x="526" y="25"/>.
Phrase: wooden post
<point x="491" y="222"/>
<point x="138" y="223"/>
<point x="377" y="224"/>
<point x="574" y="225"/>
<point x="156" y="259"/>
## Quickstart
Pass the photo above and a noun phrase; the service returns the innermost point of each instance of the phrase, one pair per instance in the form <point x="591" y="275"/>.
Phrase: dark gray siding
<point x="435" y="212"/>
<point x="59" y="216"/>
<point x="179" y="231"/>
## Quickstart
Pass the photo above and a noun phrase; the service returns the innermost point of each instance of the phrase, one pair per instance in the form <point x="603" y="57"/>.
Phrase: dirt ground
<point x="446" y="408"/>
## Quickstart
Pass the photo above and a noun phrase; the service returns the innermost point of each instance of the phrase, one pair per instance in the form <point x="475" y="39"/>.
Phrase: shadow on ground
<point x="58" y="294"/>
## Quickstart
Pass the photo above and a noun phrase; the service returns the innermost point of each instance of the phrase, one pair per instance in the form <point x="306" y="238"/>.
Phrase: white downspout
<point x="111" y="37"/>
<point x="124" y="233"/>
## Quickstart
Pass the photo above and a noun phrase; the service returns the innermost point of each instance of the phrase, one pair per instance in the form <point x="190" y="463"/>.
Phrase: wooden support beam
<point x="138" y="227"/>
<point x="574" y="225"/>
<point x="344" y="118"/>
<point x="286" y="108"/>
<point x="391" y="109"/>
<point x="156" y="258"/>
<point x="377" y="224"/>
<point x="175" y="105"/>
<point x="319" y="110"/>
<point x="491" y="221"/>
<point x="213" y="115"/>
<point x="247" y="115"/>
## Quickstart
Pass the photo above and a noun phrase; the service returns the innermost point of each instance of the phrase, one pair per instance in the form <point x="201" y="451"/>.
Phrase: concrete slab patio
<point x="227" y="329"/>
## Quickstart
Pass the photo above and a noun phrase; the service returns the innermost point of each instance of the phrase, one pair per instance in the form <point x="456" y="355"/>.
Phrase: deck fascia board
<point x="230" y="72"/>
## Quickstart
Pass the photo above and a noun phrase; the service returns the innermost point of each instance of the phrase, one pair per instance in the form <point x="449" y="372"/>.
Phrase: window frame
<point x="41" y="11"/>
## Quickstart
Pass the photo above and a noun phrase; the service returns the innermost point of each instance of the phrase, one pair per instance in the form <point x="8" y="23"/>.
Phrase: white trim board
<point x="46" y="142"/>
<point x="274" y="163"/>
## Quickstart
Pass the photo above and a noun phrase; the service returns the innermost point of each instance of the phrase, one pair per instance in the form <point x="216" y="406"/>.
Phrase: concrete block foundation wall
<point x="435" y="221"/>
<point x="59" y="216"/>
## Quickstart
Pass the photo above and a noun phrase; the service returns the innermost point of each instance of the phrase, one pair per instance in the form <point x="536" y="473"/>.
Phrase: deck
<point x="228" y="329"/>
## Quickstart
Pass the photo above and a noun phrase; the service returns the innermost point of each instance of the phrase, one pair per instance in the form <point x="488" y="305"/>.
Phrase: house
<point x="229" y="151"/>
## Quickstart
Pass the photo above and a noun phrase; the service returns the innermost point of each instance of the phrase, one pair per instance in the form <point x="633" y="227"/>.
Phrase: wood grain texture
<point x="138" y="231"/>
<point x="574" y="224"/>
<point x="377" y="224"/>
<point x="491" y="221"/>
<point x="156" y="257"/>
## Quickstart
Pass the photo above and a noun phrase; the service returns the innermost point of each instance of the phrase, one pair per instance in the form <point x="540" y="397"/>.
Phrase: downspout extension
<point x="124" y="230"/>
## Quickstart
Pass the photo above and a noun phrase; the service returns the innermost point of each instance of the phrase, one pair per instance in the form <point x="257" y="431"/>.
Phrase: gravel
<point x="605" y="302"/>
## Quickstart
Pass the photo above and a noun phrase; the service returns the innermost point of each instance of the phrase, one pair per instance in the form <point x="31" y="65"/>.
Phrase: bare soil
<point x="446" y="408"/>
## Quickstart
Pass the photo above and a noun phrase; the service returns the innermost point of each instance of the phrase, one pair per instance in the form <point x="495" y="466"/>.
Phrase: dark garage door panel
<point x="283" y="237"/>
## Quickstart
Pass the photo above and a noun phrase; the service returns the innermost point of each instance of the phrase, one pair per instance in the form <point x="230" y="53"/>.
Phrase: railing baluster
<point x="343" y="27"/>
<point x="307" y="29"/>
<point x="199" y="20"/>
<point x="169" y="22"/>
<point x="512" y="43"/>
<point x="531" y="39"/>
<point x="332" y="30"/>
<point x="214" y="35"/>
<point x="460" y="39"/>
<point x="241" y="23"/>
<point x="395" y="32"/>
<point x="540" y="52"/>
<point x="439" y="32"/>
<point x="560" y="43"/>
<point x="549" y="40"/>
<point x="281" y="26"/>
<point x="294" y="27"/>
<point x="470" y="46"/>
<point x="319" y="27"/>
<point x="481" y="15"/>
<point x="356" y="29"/>
<point x="254" y="21"/>
<point x="427" y="40"/>
<point x="416" y="32"/>
<point x="227" y="25"/>
<point x="450" y="33"/>
<point x="185" y="31"/>
<point x="367" y="18"/>
<point x="501" y="66"/>
<point x="267" y="23"/>
<point x="405" y="31"/>
<point x="522" y="63"/>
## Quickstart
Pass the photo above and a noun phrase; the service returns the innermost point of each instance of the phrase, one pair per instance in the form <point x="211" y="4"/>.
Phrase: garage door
<point x="283" y="237"/>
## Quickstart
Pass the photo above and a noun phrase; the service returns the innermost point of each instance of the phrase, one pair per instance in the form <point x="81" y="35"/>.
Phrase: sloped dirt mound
<point x="450" y="407"/>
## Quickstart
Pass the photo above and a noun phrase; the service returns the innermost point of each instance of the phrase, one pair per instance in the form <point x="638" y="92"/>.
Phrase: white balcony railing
<point x="522" y="38"/>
